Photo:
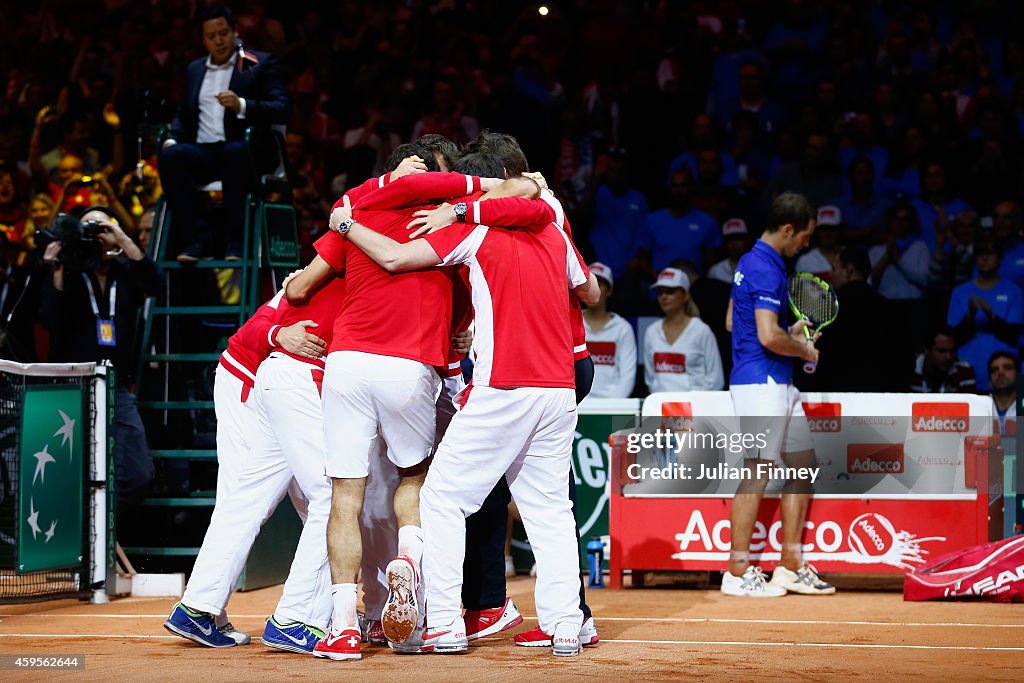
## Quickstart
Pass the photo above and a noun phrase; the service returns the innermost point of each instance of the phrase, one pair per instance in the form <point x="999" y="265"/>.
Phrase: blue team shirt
<point x="669" y="238"/>
<point x="618" y="225"/>
<point x="1006" y="302"/>
<point x="759" y="282"/>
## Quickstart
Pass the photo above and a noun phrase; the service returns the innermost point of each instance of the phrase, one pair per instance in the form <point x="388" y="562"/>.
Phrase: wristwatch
<point x="460" y="212"/>
<point x="345" y="226"/>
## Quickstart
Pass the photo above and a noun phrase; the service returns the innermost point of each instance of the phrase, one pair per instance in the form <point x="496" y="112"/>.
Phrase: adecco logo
<point x="870" y="539"/>
<point x="824" y="417"/>
<point x="874" y="458"/>
<point x="940" y="417"/>
<point x="603" y="353"/>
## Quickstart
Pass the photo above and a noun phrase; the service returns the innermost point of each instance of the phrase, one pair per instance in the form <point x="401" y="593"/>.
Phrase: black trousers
<point x="483" y="584"/>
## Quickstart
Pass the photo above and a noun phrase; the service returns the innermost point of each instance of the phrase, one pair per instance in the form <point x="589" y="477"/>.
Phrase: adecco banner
<point x="943" y="442"/>
<point x="924" y="442"/>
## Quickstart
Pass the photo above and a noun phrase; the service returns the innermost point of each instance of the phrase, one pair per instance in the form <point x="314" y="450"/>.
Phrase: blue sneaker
<point x="197" y="627"/>
<point x="293" y="637"/>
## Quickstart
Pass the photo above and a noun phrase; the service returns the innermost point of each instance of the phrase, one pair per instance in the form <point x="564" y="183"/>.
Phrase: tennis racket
<point x="813" y="300"/>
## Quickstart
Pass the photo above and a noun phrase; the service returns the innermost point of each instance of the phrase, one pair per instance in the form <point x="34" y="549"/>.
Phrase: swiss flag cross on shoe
<point x="339" y="646"/>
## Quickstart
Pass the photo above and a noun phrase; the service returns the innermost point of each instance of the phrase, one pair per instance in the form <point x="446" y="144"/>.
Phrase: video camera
<point x="81" y="248"/>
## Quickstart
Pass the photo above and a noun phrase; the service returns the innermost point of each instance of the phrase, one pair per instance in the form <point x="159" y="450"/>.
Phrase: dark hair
<point x="69" y="119"/>
<point x="941" y="330"/>
<point x="478" y="164"/>
<point x="903" y="205"/>
<point x="790" y="208"/>
<point x="408" y="149"/>
<point x="432" y="143"/>
<point x="1003" y="354"/>
<point x="987" y="245"/>
<point x="502" y="145"/>
<point x="856" y="258"/>
<point x="860" y="159"/>
<point x="217" y="12"/>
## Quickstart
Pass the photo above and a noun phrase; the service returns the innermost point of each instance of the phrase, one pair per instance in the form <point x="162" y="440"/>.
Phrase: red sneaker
<point x="537" y="638"/>
<point x="339" y="646"/>
<point x="375" y="634"/>
<point x="533" y="638"/>
<point x="486" y="622"/>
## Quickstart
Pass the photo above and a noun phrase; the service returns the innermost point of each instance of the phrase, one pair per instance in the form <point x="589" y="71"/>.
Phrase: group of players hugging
<point x="345" y="391"/>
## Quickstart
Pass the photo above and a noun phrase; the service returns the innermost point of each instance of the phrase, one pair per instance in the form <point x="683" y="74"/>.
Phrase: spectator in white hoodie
<point x="680" y="352"/>
<point x="611" y="342"/>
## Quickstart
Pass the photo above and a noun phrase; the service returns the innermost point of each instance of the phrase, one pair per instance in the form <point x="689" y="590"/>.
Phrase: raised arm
<point x="419" y="188"/>
<point x="389" y="254"/>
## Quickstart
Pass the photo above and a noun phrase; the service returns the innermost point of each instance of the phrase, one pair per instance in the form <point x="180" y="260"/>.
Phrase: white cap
<point x="602" y="271"/>
<point x="829" y="215"/>
<point x="734" y="226"/>
<point x="672" y="277"/>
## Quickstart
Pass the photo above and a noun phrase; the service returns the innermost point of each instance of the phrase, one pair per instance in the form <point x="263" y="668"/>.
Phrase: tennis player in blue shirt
<point x="763" y="395"/>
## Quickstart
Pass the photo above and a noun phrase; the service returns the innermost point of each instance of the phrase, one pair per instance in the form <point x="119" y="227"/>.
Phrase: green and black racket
<point x="813" y="300"/>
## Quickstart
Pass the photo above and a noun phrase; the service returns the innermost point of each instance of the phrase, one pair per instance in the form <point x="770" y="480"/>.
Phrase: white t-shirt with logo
<point x="692" y="363"/>
<point x="613" y="351"/>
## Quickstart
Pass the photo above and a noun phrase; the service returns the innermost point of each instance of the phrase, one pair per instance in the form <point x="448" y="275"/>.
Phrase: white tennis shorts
<point x="774" y="410"/>
<point x="367" y="397"/>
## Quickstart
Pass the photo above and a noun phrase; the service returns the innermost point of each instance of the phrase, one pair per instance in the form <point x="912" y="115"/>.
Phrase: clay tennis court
<point x="646" y="633"/>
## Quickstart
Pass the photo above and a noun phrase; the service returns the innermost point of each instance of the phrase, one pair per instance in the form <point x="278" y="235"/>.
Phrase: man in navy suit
<point x="225" y="92"/>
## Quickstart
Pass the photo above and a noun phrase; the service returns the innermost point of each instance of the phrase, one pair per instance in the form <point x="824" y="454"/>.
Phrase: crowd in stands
<point x="665" y="128"/>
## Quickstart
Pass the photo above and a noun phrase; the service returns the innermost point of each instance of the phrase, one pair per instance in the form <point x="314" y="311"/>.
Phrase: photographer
<point x="100" y="279"/>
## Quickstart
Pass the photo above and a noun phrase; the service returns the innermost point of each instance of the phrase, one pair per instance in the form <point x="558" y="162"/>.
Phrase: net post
<point x="99" y="560"/>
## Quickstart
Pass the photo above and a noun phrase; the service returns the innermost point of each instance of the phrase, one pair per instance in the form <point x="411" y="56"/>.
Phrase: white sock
<point x="221" y="619"/>
<point x="410" y="543"/>
<point x="344" y="597"/>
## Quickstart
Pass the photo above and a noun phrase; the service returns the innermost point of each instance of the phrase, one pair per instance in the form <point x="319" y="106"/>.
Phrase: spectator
<point x="611" y="342"/>
<point x="679" y="231"/>
<point x="75" y="130"/>
<point x="712" y="194"/>
<point x="374" y="134"/>
<point x="40" y="213"/>
<point x="702" y="137"/>
<point x="1002" y="377"/>
<point x="620" y="215"/>
<point x="753" y="163"/>
<point x="937" y="370"/>
<point x="899" y="267"/>
<point x="447" y="116"/>
<point x="89" y="309"/>
<point x="863" y="210"/>
<point x="737" y="242"/>
<point x="935" y="198"/>
<point x="1006" y="229"/>
<point x="680" y="353"/>
<point x="951" y="268"/>
<point x="854" y="356"/>
<point x="824" y="258"/>
<point x="902" y="176"/>
<point x="225" y="92"/>
<point x="19" y="303"/>
<point x="753" y="97"/>
<point x="861" y="143"/>
<point x="986" y="313"/>
<point x="815" y="176"/>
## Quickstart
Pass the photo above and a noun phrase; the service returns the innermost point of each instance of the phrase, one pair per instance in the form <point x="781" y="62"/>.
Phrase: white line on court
<point x="842" y="645"/>
<point x="700" y="643"/>
<point x="674" y="620"/>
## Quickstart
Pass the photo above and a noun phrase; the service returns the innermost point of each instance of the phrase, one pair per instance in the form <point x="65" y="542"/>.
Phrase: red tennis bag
<point x="993" y="572"/>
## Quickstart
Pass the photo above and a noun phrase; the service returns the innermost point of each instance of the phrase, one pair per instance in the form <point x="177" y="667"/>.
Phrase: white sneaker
<point x="751" y="585"/>
<point x="804" y="581"/>
<point x="566" y="640"/>
<point x="448" y="640"/>
<point x="588" y="633"/>
<point x="510" y="567"/>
